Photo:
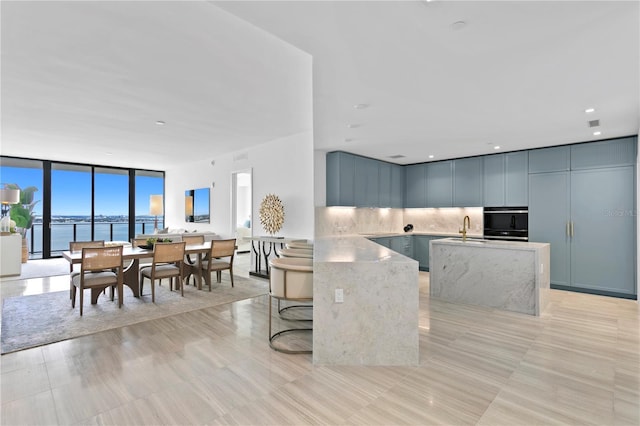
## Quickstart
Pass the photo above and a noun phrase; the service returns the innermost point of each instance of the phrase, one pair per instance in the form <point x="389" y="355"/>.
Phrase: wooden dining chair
<point x="75" y="247"/>
<point x="219" y="258"/>
<point x="167" y="263"/>
<point x="101" y="268"/>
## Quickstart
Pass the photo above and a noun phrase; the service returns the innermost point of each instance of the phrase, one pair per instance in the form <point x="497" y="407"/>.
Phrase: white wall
<point x="283" y="167"/>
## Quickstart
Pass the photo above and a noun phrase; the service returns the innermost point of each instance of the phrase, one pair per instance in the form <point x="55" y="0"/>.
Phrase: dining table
<point x="131" y="275"/>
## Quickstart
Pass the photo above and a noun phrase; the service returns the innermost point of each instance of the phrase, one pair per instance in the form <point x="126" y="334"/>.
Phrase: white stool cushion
<point x="297" y="273"/>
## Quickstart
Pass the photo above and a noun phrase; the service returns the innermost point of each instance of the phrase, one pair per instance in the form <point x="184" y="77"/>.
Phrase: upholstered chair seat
<point x="291" y="279"/>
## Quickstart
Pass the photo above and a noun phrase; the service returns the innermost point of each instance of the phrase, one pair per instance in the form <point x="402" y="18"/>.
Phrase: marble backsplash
<point x="349" y="221"/>
<point x="446" y="220"/>
<point x="331" y="221"/>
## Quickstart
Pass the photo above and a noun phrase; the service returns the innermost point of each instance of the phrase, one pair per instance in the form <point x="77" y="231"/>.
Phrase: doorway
<point x="242" y="206"/>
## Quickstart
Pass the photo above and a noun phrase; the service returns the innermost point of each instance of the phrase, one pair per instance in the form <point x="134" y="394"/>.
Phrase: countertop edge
<point x="505" y="245"/>
<point x="356" y="249"/>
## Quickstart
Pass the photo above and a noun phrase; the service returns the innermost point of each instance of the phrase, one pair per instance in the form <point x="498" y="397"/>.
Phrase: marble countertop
<point x="476" y="242"/>
<point x="354" y="248"/>
<point x="434" y="234"/>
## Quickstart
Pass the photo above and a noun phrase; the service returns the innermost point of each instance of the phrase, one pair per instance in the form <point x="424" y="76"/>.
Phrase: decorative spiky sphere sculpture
<point x="271" y="214"/>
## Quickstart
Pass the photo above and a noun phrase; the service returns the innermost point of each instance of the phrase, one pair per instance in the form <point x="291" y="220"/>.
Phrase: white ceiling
<point x="83" y="78"/>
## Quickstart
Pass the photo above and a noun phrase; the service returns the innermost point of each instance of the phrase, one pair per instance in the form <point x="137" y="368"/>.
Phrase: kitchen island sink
<point x="507" y="275"/>
<point x="470" y="240"/>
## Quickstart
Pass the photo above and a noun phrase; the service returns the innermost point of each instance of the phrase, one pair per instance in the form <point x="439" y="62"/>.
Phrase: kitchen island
<point x="508" y="275"/>
<point x="375" y="322"/>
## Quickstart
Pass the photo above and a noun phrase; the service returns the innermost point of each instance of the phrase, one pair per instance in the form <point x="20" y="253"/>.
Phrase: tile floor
<point x="577" y="364"/>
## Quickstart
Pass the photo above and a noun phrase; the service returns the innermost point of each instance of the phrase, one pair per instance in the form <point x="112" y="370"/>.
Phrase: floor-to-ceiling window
<point x="71" y="205"/>
<point x="148" y="183"/>
<point x="28" y="176"/>
<point x="111" y="211"/>
<point x="79" y="202"/>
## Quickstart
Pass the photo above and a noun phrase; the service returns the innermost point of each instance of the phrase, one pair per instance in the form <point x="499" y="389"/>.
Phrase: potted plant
<point x="22" y="215"/>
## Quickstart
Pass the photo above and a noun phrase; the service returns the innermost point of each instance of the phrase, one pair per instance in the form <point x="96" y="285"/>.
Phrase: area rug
<point x="30" y="321"/>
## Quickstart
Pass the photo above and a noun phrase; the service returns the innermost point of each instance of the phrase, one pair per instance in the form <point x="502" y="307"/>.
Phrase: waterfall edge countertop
<point x="508" y="275"/>
<point x="365" y="304"/>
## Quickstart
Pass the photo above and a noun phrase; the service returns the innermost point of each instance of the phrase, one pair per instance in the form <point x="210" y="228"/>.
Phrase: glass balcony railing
<point x="63" y="233"/>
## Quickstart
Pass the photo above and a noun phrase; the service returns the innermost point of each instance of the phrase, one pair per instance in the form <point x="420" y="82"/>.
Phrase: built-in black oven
<point x="506" y="223"/>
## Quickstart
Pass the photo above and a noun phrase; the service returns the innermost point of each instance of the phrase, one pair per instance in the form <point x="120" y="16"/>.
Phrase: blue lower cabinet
<point x="421" y="250"/>
<point x="403" y="245"/>
<point x="383" y="241"/>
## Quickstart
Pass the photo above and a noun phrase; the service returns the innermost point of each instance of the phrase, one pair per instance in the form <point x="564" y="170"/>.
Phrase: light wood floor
<point x="578" y="364"/>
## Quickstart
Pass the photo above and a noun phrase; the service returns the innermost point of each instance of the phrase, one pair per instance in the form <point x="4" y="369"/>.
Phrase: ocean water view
<point x="78" y="228"/>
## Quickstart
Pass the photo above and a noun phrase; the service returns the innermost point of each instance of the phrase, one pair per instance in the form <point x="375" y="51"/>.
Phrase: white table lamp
<point x="156" y="209"/>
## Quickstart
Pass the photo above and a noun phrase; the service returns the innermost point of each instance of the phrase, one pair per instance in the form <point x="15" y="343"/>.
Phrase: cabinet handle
<point x="572" y="230"/>
<point x="568" y="230"/>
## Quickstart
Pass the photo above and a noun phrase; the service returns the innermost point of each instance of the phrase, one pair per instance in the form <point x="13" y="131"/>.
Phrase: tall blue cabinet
<point x="582" y="201"/>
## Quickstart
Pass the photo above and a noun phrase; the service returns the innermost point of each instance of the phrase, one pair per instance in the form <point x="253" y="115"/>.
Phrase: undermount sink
<point x="470" y="240"/>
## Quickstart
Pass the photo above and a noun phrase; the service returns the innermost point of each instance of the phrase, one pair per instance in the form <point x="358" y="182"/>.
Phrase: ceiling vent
<point x="594" y="123"/>
<point x="395" y="157"/>
<point x="241" y="156"/>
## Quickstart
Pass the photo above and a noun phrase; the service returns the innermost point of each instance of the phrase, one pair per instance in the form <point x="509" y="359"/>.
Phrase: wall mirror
<point x="196" y="205"/>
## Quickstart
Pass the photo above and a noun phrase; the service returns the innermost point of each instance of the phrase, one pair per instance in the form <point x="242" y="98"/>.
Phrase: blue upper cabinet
<point x="358" y="181"/>
<point x="397" y="186"/>
<point x="493" y="180"/>
<point x="516" y="178"/>
<point x="415" y="185"/>
<point x="467" y="182"/>
<point x="384" y="182"/>
<point x="611" y="153"/>
<point x="439" y="184"/>
<point x="545" y="160"/>
<point x="341" y="168"/>
<point x="366" y="182"/>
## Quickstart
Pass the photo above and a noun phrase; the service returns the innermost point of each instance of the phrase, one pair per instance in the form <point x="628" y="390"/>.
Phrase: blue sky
<point x="71" y="191"/>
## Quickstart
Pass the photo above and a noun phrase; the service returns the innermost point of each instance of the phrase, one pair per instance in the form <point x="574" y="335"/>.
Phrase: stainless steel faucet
<point x="466" y="224"/>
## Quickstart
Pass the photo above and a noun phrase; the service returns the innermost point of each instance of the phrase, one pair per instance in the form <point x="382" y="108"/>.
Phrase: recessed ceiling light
<point x="109" y="153"/>
<point x="360" y="106"/>
<point x="598" y="133"/>
<point x="430" y="156"/>
<point x="496" y="147"/>
<point x="352" y="126"/>
<point x="160" y="123"/>
<point x="590" y="110"/>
